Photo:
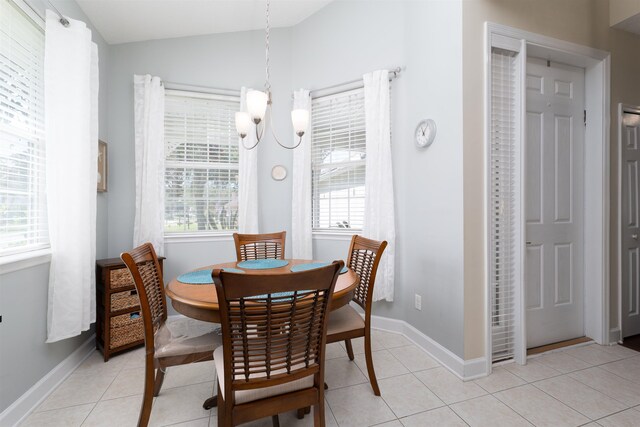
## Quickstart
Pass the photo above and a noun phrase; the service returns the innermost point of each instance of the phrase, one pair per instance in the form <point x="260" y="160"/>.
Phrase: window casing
<point x="201" y="163"/>
<point x="338" y="158"/>
<point x="23" y="215"/>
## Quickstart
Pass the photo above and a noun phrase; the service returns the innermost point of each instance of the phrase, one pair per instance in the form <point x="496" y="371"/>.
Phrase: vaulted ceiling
<point x="122" y="21"/>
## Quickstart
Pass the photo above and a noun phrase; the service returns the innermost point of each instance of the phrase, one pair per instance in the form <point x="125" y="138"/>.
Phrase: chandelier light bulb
<point x="300" y="119"/>
<point x="243" y="124"/>
<point x="257" y="105"/>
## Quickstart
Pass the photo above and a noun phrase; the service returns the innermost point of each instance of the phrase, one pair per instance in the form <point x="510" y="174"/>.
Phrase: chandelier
<point x="257" y="104"/>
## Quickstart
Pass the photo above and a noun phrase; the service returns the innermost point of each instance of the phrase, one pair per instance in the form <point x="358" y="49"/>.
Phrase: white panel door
<point x="630" y="132"/>
<point x="554" y="153"/>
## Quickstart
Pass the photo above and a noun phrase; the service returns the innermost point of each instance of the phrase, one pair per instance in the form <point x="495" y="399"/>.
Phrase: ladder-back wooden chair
<point x="345" y="323"/>
<point x="166" y="343"/>
<point x="259" y="246"/>
<point x="274" y="332"/>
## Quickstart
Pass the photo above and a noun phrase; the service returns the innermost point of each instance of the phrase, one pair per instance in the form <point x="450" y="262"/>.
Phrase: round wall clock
<point x="278" y="173"/>
<point x="425" y="133"/>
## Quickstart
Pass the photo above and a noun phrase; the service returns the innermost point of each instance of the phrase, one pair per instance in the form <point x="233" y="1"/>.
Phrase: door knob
<point x="634" y="236"/>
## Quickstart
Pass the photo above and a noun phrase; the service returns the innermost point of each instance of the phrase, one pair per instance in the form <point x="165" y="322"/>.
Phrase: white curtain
<point x="71" y="135"/>
<point x="148" y="225"/>
<point x="247" y="178"/>
<point x="301" y="233"/>
<point x="379" y="215"/>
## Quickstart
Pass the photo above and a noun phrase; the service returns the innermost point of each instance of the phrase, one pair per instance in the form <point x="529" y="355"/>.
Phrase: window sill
<point x="24" y="260"/>
<point x="334" y="235"/>
<point x="197" y="237"/>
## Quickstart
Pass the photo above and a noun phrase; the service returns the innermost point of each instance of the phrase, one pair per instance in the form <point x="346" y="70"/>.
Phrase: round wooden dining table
<point x="201" y="301"/>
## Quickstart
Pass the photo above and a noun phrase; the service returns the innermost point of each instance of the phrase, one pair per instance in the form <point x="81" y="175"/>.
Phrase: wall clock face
<point x="278" y="173"/>
<point x="425" y="133"/>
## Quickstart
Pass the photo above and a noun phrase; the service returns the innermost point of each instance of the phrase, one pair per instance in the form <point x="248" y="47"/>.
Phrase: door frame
<point x="616" y="334"/>
<point x="597" y="170"/>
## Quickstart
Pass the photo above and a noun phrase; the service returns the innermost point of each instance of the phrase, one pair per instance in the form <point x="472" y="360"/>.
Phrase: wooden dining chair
<point x="260" y="246"/>
<point x="345" y="323"/>
<point x="167" y="343"/>
<point x="274" y="332"/>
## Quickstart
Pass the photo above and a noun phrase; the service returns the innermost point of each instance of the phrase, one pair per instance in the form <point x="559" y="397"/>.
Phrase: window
<point x="23" y="217"/>
<point x="338" y="157"/>
<point x="201" y="162"/>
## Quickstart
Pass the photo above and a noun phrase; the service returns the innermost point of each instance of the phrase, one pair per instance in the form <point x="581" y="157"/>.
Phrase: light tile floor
<point x="588" y="385"/>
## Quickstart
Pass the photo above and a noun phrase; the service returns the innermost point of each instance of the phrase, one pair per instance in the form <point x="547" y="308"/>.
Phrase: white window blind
<point x="201" y="162"/>
<point x="23" y="217"/>
<point x="338" y="149"/>
<point x="503" y="181"/>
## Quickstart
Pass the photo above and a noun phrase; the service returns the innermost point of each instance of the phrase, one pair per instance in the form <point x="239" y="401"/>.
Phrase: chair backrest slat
<point x="364" y="258"/>
<point x="260" y="246"/>
<point x="273" y="326"/>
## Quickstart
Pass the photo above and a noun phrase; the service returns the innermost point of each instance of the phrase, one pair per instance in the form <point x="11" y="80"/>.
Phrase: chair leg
<point x="275" y="421"/>
<point x="347" y="344"/>
<point x="224" y="413"/>
<point x="318" y="415"/>
<point x="303" y="411"/>
<point x="370" y="371"/>
<point x="147" y="398"/>
<point x="158" y="384"/>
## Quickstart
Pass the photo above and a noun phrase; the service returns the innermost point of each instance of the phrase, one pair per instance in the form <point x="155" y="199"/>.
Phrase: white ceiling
<point x="122" y="21"/>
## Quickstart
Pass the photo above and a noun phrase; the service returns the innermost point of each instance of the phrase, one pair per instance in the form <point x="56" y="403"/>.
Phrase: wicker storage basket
<point x="125" y="330"/>
<point x="124" y="300"/>
<point x="121" y="278"/>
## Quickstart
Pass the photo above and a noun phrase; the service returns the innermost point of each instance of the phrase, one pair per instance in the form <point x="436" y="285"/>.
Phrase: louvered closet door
<point x="554" y="202"/>
<point x="503" y="155"/>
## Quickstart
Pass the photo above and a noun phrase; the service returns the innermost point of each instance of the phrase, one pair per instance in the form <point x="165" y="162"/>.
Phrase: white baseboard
<point x="464" y="369"/>
<point x="615" y="335"/>
<point x="40" y="390"/>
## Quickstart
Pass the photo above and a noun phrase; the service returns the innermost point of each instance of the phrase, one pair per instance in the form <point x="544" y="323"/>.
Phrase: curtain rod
<point x="199" y="89"/>
<point x="353" y="84"/>
<point x="64" y="21"/>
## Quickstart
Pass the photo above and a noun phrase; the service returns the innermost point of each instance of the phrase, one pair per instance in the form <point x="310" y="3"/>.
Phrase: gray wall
<point x="349" y="38"/>
<point x="24" y="356"/>
<point x="339" y="43"/>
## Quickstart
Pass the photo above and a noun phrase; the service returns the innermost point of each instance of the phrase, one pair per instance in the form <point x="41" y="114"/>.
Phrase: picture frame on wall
<point x="102" y="166"/>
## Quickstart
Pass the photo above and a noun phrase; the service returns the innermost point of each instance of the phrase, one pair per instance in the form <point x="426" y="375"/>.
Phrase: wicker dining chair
<point x="260" y="246"/>
<point x="345" y="323"/>
<point x="167" y="343"/>
<point x="274" y="332"/>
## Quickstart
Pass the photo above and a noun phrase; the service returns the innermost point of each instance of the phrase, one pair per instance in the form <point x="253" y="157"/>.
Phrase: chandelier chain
<point x="267" y="84"/>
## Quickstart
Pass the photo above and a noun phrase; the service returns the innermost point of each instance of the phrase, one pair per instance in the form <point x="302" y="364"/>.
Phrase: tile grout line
<point x="84" y="420"/>
<point x="601" y="392"/>
<point x="101" y="396"/>
<point x="500" y="401"/>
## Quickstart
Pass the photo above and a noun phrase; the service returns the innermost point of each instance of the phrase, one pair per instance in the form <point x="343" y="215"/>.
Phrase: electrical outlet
<point x="418" y="302"/>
